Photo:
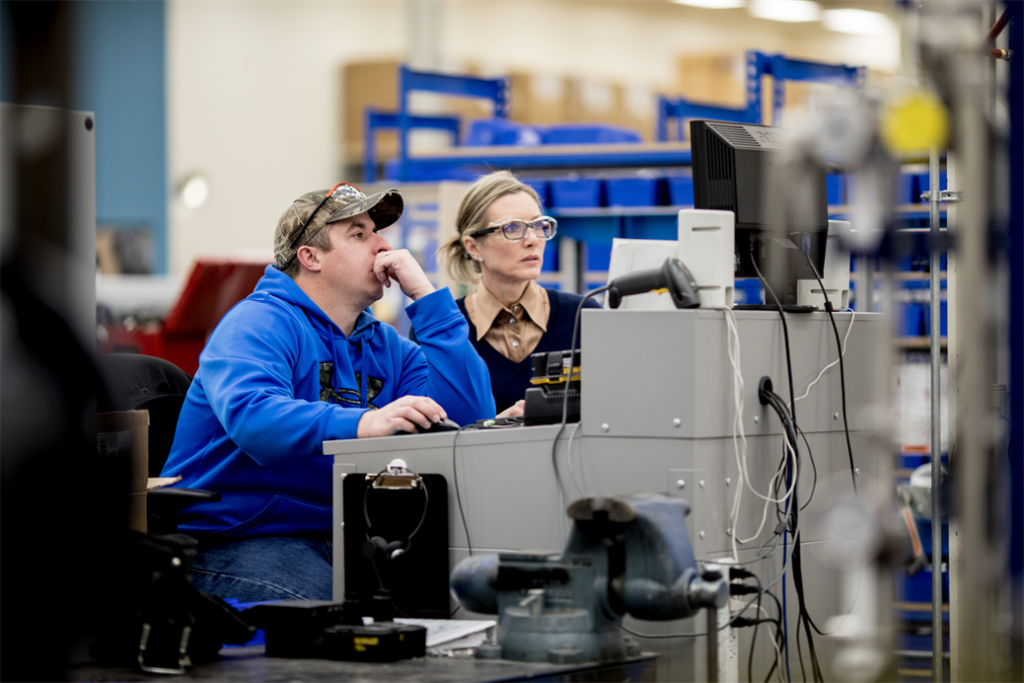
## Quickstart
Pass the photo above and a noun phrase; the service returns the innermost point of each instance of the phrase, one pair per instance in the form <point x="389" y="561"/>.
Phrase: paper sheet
<point x="448" y="634"/>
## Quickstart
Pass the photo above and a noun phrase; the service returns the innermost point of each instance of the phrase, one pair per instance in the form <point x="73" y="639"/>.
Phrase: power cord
<point x="842" y="371"/>
<point x="565" y="406"/>
<point x="458" y="495"/>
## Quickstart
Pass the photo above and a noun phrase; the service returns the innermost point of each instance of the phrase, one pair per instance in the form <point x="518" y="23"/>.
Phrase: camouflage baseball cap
<point x="312" y="211"/>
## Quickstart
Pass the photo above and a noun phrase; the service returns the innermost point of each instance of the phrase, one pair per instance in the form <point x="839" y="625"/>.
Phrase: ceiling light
<point x="785" y="10"/>
<point x="857" y="21"/>
<point x="712" y="4"/>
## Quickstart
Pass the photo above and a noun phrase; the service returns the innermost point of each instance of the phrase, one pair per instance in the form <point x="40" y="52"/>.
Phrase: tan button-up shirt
<point x="514" y="331"/>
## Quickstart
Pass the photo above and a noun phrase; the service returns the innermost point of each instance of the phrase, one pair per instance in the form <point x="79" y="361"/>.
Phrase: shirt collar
<point x="483" y="308"/>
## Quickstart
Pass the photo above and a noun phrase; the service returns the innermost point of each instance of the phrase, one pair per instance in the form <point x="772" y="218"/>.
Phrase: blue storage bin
<point x="540" y="186"/>
<point x="909" y="320"/>
<point x="924" y="181"/>
<point x="635" y="191"/>
<point x="748" y="291"/>
<point x="597" y="256"/>
<point x="680" y="190"/>
<point x="484" y="132"/>
<point x="835" y="189"/>
<point x="918" y="588"/>
<point x="550" y="264"/>
<point x="943" y="323"/>
<point x="589" y="134"/>
<point x="906" y="189"/>
<point x="576" y="192"/>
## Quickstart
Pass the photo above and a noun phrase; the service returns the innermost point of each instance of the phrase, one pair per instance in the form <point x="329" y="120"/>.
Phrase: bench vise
<point x="625" y="555"/>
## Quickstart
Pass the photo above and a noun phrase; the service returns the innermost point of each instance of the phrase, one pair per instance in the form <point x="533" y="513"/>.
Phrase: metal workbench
<point x="656" y="416"/>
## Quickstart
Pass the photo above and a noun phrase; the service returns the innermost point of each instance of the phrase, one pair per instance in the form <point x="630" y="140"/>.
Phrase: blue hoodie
<point x="277" y="378"/>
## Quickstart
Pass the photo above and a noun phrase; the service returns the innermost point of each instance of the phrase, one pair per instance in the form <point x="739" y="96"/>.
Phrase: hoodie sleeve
<point x="445" y="366"/>
<point x="248" y="374"/>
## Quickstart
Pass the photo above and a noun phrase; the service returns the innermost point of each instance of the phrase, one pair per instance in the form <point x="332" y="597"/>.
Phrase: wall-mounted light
<point x="791" y="11"/>
<point x="194" y="190"/>
<point x="858" y="21"/>
<point x="712" y="4"/>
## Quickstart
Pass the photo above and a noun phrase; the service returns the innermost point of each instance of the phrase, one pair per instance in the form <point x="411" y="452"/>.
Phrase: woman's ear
<point x="471" y="247"/>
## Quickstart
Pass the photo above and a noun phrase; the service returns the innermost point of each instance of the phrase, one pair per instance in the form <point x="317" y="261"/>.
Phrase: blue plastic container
<point x="943" y="323"/>
<point x="909" y="320"/>
<point x="835" y="189"/>
<point x="598" y="256"/>
<point x="540" y="185"/>
<point x="918" y="588"/>
<point x="748" y="291"/>
<point x="589" y="134"/>
<point x="486" y="132"/>
<point x="906" y="191"/>
<point x="680" y="190"/>
<point x="635" y="191"/>
<point x="576" y="192"/>
<point x="924" y="182"/>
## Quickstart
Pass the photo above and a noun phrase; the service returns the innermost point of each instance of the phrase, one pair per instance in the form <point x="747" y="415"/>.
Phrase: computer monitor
<point x="744" y="168"/>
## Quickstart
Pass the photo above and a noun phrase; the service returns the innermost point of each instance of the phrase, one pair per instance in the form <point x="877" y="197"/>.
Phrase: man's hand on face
<point x="400" y="266"/>
<point x="406" y="414"/>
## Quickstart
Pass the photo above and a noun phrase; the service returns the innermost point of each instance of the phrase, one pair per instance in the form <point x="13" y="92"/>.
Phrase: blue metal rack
<point x="780" y="68"/>
<point x="466" y="162"/>
<point x="378" y="120"/>
<point x="494" y="89"/>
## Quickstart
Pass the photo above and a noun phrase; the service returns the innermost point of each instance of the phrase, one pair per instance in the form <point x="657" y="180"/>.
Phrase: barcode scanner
<point x="672" y="277"/>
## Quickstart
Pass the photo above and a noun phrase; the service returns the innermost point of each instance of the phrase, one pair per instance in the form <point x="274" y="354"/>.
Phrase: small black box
<point x="381" y="642"/>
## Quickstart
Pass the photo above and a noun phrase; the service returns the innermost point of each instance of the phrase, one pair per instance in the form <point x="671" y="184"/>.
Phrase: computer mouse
<point x="445" y="425"/>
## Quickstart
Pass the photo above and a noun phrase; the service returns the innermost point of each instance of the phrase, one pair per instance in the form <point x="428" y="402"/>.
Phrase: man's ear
<point x="309" y="258"/>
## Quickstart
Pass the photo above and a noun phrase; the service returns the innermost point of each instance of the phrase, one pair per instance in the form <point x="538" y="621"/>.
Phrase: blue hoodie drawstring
<point x="364" y="350"/>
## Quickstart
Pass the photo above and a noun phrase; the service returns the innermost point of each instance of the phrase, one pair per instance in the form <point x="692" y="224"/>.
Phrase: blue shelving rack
<point x="780" y="67"/>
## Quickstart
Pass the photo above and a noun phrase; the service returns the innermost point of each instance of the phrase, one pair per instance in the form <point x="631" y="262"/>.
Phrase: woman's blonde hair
<point x="472" y="215"/>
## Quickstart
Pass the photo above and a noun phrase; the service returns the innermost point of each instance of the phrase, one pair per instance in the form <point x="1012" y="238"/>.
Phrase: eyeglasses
<point x="515" y="228"/>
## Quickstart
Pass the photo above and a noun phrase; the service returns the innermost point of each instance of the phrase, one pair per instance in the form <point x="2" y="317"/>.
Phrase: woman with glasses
<point x="500" y="237"/>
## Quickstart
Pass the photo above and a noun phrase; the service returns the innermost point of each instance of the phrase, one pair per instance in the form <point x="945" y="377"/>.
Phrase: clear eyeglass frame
<point x="515" y="229"/>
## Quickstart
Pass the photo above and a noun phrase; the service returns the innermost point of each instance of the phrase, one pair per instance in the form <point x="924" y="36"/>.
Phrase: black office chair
<point x="137" y="382"/>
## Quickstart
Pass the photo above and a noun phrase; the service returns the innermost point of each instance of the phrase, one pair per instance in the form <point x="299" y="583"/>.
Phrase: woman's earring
<point x="479" y="259"/>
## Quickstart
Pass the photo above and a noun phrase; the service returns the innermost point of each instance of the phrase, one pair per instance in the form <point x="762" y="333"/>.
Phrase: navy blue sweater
<point x="509" y="380"/>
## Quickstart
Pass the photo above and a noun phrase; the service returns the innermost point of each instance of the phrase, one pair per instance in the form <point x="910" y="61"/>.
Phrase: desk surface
<point x="250" y="664"/>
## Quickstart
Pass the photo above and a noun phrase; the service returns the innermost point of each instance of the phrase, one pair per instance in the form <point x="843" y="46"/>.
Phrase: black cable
<point x="568" y="385"/>
<point x="842" y="370"/>
<point x="753" y="640"/>
<point x="458" y="496"/>
<point x="785" y="330"/>
<point x="814" y="469"/>
<point x="799" y="650"/>
<point x="770" y="398"/>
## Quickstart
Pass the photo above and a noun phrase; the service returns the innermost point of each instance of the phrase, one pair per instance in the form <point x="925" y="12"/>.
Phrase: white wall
<point x="254" y="86"/>
<point x="253" y="100"/>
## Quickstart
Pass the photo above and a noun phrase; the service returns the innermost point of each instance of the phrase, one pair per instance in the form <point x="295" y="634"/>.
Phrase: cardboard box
<point x="125" y="434"/>
<point x="538" y="99"/>
<point x="718" y="79"/>
<point x="364" y="84"/>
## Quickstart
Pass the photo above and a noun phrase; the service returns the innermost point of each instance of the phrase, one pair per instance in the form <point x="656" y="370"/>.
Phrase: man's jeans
<point x="267" y="568"/>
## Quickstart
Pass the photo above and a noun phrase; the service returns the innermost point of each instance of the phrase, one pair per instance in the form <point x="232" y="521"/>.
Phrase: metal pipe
<point x="936" y="396"/>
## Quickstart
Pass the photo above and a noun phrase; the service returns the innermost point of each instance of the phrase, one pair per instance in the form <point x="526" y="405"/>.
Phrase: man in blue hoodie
<point x="302" y="360"/>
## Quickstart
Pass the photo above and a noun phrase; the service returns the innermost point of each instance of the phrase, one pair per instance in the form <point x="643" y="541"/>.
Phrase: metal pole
<point x="936" y="445"/>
